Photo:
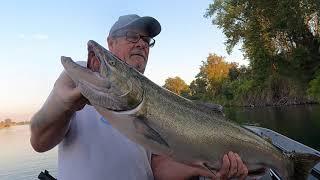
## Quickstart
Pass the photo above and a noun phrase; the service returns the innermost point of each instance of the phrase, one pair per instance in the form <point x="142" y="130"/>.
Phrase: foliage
<point x="209" y="81"/>
<point x="198" y="88"/>
<point x="314" y="87"/>
<point x="278" y="36"/>
<point x="176" y="85"/>
<point x="281" y="40"/>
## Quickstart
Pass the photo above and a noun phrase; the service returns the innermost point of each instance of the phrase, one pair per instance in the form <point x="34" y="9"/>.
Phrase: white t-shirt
<point x="92" y="149"/>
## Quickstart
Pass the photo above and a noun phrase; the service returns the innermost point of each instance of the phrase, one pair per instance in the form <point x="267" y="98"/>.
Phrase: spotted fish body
<point x="168" y="124"/>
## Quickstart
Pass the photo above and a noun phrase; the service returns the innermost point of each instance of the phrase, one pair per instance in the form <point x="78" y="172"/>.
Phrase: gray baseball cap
<point x="148" y="24"/>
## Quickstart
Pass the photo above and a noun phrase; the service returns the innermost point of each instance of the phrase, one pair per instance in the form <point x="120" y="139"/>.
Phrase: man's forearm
<point x="49" y="125"/>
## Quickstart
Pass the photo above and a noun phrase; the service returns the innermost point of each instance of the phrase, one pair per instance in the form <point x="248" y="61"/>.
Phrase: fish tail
<point x="302" y="164"/>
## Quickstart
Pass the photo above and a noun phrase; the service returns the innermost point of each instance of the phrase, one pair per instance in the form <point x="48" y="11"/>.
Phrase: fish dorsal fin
<point x="210" y="106"/>
<point x="266" y="138"/>
<point x="261" y="133"/>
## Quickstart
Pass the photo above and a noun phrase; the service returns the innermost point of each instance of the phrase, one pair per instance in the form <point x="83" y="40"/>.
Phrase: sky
<point x="35" y="34"/>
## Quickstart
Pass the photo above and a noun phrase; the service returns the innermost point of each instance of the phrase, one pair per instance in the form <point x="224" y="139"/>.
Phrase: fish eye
<point x="112" y="63"/>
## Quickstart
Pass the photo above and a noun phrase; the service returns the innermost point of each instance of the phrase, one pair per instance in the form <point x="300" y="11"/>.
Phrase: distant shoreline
<point x="9" y="123"/>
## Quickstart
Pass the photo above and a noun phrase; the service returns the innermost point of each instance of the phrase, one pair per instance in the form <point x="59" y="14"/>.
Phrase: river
<point x="19" y="161"/>
<point x="301" y="123"/>
<point x="17" y="158"/>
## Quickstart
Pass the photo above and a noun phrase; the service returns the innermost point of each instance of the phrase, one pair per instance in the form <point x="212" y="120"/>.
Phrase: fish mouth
<point x="99" y="62"/>
<point x="94" y="63"/>
<point x="84" y="76"/>
<point x="99" y="59"/>
<point x="104" y="81"/>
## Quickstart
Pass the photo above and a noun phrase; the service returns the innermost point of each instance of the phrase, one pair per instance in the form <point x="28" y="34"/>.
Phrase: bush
<point x="314" y="88"/>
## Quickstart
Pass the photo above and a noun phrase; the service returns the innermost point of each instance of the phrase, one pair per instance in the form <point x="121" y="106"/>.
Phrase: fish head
<point x="107" y="81"/>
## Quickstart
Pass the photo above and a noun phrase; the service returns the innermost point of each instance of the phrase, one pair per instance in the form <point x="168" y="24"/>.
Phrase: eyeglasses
<point x="135" y="37"/>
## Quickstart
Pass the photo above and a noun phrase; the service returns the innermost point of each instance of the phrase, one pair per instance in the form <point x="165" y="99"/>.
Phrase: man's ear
<point x="110" y="42"/>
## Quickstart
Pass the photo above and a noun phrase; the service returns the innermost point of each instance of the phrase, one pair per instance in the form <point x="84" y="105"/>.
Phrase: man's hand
<point x="232" y="167"/>
<point x="51" y="123"/>
<point x="166" y="168"/>
<point x="67" y="94"/>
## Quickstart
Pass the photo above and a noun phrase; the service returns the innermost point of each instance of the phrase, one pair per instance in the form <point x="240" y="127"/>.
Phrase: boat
<point x="287" y="145"/>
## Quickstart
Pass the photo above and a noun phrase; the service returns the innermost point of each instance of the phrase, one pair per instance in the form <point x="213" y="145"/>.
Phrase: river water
<point x="301" y="123"/>
<point x="19" y="161"/>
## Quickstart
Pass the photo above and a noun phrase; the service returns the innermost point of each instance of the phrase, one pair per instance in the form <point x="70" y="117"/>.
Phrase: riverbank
<point x="4" y="125"/>
<point x="264" y="100"/>
<point x="283" y="102"/>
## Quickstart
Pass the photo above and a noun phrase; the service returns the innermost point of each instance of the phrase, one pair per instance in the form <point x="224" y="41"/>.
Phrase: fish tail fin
<point x="302" y="164"/>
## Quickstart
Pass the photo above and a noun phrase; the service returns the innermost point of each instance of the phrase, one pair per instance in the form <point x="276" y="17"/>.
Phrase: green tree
<point x="278" y="36"/>
<point x="176" y="85"/>
<point x="7" y="122"/>
<point x="314" y="88"/>
<point x="198" y="88"/>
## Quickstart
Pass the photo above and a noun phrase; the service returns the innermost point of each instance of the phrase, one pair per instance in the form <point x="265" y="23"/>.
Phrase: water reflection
<point x="301" y="123"/>
<point x="17" y="158"/>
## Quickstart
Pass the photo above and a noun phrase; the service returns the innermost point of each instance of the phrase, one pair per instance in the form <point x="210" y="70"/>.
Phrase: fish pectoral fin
<point x="210" y="106"/>
<point x="143" y="128"/>
<point x="211" y="169"/>
<point x="268" y="139"/>
<point x="257" y="173"/>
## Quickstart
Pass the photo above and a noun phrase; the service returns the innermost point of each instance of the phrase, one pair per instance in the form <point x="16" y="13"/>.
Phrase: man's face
<point x="135" y="54"/>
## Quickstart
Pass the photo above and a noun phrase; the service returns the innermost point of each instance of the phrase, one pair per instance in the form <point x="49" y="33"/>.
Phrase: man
<point x="89" y="148"/>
